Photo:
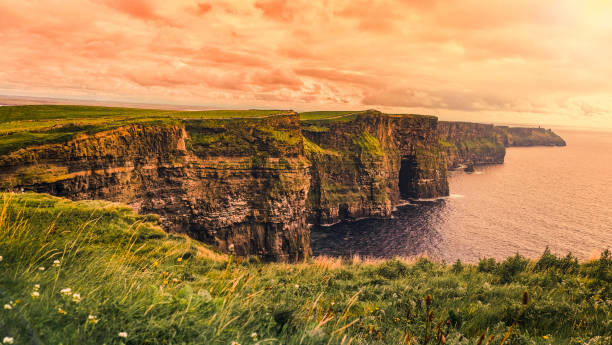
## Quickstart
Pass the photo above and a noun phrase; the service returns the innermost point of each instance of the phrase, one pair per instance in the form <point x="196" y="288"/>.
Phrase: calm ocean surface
<point x="559" y="197"/>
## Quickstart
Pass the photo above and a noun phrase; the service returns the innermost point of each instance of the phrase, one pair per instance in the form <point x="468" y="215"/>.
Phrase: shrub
<point x="487" y="265"/>
<point x="392" y="269"/>
<point x="510" y="267"/>
<point x="550" y="261"/>
<point x="457" y="266"/>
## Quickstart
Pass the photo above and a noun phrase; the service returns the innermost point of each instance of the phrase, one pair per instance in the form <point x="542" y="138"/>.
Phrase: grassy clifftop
<point x="96" y="272"/>
<point x="23" y="126"/>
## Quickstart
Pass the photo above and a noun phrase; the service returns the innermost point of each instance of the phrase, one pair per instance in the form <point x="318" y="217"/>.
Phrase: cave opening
<point x="407" y="176"/>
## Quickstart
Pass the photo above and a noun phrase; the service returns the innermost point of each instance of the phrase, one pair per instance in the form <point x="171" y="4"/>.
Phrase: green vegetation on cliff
<point x="368" y="144"/>
<point x="324" y="115"/>
<point x="95" y="272"/>
<point x="23" y="126"/>
<point x="311" y="149"/>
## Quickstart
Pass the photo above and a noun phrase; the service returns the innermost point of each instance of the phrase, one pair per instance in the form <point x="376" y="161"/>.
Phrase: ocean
<point x="560" y="197"/>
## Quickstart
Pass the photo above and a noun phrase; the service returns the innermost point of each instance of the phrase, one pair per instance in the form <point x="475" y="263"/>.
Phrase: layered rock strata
<point x="240" y="182"/>
<point x="363" y="163"/>
<point x="255" y="183"/>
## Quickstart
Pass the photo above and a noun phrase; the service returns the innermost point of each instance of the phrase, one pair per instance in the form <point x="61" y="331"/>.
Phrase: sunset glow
<point x="523" y="61"/>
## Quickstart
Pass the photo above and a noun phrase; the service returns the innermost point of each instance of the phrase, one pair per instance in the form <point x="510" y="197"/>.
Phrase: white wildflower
<point x="56" y="263"/>
<point x="123" y="334"/>
<point x="66" y="291"/>
<point x="1" y="258"/>
<point x="36" y="287"/>
<point x="7" y="340"/>
<point x="297" y="286"/>
<point x="35" y="294"/>
<point x="395" y="295"/>
<point x="92" y="319"/>
<point x="76" y="297"/>
<point x="8" y="306"/>
<point x="235" y="343"/>
<point x="41" y="268"/>
<point x="254" y="335"/>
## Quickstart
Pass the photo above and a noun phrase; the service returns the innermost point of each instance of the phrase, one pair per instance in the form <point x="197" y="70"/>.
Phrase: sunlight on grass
<point x="93" y="272"/>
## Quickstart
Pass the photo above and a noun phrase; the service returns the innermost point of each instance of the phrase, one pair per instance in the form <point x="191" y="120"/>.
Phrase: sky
<point x="537" y="62"/>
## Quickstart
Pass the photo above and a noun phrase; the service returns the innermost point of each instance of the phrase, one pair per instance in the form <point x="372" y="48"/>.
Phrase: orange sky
<point x="546" y="61"/>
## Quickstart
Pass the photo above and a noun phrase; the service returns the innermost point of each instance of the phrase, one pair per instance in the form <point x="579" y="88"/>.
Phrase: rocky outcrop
<point x="363" y="163"/>
<point x="240" y="182"/>
<point x="466" y="143"/>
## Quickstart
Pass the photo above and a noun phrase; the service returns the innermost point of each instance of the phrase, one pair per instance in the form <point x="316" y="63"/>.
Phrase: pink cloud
<point x="275" y="9"/>
<point x="141" y="9"/>
<point x="461" y="56"/>
<point x="204" y="8"/>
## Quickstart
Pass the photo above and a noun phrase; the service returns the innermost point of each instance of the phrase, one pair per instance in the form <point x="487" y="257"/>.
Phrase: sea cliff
<point x="247" y="180"/>
<point x="466" y="143"/>
<point x="223" y="181"/>
<point x="363" y="163"/>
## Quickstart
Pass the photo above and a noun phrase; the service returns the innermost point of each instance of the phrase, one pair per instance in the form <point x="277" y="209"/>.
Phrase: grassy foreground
<point x="96" y="273"/>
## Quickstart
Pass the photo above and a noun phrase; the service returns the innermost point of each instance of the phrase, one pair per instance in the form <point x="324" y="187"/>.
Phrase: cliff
<point x="465" y="142"/>
<point x="477" y="143"/>
<point x="362" y="163"/>
<point x="524" y="136"/>
<point x="225" y="181"/>
<point x="253" y="179"/>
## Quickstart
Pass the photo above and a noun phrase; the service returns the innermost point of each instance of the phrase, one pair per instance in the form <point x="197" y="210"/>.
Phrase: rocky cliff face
<point x="256" y="182"/>
<point x="240" y="182"/>
<point x="363" y="163"/>
<point x="465" y="143"/>
<point x="477" y="143"/>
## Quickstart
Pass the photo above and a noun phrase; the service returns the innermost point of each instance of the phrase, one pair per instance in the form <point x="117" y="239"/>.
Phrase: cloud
<point x="276" y="78"/>
<point x="275" y="9"/>
<point x="141" y="9"/>
<point x="464" y="57"/>
<point x="204" y="8"/>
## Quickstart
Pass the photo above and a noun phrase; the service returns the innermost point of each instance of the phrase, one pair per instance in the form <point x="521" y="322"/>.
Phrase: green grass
<point x="368" y="144"/>
<point x="71" y="112"/>
<point x="443" y="143"/>
<point x="415" y="116"/>
<point x="23" y="126"/>
<point x="481" y="145"/>
<point x="324" y="115"/>
<point x="315" y="129"/>
<point x="311" y="148"/>
<point x="168" y="289"/>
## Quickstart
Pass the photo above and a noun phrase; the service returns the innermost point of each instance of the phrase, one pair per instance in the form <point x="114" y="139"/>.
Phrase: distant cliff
<point x="477" y="143"/>
<point x="523" y="136"/>
<point x="465" y="142"/>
